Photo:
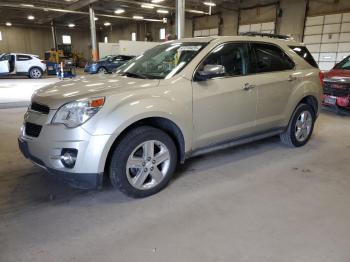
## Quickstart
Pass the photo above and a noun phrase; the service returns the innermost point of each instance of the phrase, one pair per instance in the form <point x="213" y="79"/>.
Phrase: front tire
<point x="102" y="70"/>
<point x="35" y="73"/>
<point x="143" y="162"/>
<point x="300" y="126"/>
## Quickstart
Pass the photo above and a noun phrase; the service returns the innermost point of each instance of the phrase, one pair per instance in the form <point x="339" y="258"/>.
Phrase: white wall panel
<point x="326" y="66"/>
<point x="312" y="39"/>
<point x="345" y="27"/>
<point x="314" y="48"/>
<point x="314" y="20"/>
<point x="346" y="17"/>
<point x="327" y="57"/>
<point x="344" y="37"/>
<point x="331" y="28"/>
<point x="313" y="30"/>
<point x="255" y="28"/>
<point x="328" y="48"/>
<point x="268" y="26"/>
<point x="330" y="38"/>
<point x="343" y="47"/>
<point x="315" y="56"/>
<point x="333" y="19"/>
<point x="341" y="56"/>
<point x="244" y="28"/>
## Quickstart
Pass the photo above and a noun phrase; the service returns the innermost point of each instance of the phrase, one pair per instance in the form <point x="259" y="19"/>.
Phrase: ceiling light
<point x="162" y="11"/>
<point x="138" y="17"/>
<point x="96" y="18"/>
<point x="8" y="24"/>
<point x="107" y="24"/>
<point x="209" y="3"/>
<point x="31" y="17"/>
<point x="196" y="11"/>
<point x="27" y="5"/>
<point x="119" y="11"/>
<point x="71" y="25"/>
<point x="148" y="6"/>
<point x="156" y="1"/>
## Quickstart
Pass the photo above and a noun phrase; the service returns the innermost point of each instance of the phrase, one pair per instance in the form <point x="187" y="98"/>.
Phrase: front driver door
<point x="5" y="64"/>
<point x="225" y="107"/>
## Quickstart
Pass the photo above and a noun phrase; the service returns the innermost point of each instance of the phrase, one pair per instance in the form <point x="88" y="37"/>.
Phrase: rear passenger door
<point x="275" y="81"/>
<point x="23" y="63"/>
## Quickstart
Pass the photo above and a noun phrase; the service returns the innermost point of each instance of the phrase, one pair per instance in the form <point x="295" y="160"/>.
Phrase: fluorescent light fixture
<point x="71" y="25"/>
<point x="196" y="11"/>
<point x="137" y="17"/>
<point x="209" y="3"/>
<point x="107" y="24"/>
<point x="8" y="24"/>
<point x="31" y="17"/>
<point x="162" y="11"/>
<point x="133" y="36"/>
<point x="148" y="6"/>
<point x="27" y="5"/>
<point x="157" y="1"/>
<point x="119" y="11"/>
<point x="96" y="18"/>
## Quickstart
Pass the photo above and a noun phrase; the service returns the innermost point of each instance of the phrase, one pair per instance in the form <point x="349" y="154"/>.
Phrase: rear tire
<point x="143" y="162"/>
<point x="35" y="73"/>
<point x="300" y="126"/>
<point x="102" y="70"/>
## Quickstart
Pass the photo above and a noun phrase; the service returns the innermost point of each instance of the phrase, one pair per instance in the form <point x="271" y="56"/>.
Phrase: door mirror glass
<point x="210" y="71"/>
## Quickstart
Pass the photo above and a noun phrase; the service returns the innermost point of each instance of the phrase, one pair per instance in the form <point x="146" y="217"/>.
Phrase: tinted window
<point x="234" y="57"/>
<point x="5" y="57"/>
<point x="344" y="64"/>
<point x="305" y="54"/>
<point x="23" y="57"/>
<point x="270" y="58"/>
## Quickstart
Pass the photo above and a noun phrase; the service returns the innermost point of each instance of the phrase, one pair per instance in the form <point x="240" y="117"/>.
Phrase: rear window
<point x="23" y="57"/>
<point x="305" y="54"/>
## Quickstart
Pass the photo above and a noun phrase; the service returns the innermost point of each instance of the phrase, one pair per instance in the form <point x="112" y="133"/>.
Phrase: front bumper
<point x="45" y="150"/>
<point x="90" y="70"/>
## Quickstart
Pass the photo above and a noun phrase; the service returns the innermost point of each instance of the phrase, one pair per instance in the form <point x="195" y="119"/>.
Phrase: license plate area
<point x="330" y="100"/>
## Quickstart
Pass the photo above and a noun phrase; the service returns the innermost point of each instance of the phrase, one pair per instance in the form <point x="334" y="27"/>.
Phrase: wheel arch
<point x="162" y="123"/>
<point x="311" y="101"/>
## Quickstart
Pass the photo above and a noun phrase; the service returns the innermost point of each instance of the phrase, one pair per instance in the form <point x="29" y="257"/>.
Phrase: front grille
<point x="40" y="108"/>
<point x="32" y="129"/>
<point x="336" y="89"/>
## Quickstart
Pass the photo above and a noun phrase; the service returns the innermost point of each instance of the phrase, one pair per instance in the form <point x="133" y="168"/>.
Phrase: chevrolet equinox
<point x="177" y="100"/>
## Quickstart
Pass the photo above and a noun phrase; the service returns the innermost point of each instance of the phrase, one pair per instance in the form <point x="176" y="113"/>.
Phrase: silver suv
<point x="177" y="100"/>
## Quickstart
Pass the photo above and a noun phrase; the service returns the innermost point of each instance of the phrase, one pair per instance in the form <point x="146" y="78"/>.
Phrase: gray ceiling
<point x="16" y="11"/>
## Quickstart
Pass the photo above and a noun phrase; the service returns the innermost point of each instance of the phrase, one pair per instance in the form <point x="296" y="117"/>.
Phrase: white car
<point x="21" y="64"/>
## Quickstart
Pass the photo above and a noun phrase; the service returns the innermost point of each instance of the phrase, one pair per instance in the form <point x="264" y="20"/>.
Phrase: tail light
<point x="322" y="76"/>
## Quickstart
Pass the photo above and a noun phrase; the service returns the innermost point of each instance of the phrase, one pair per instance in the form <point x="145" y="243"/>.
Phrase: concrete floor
<point x="259" y="202"/>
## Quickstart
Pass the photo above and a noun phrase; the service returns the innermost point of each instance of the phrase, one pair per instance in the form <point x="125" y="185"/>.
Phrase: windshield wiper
<point x="136" y="75"/>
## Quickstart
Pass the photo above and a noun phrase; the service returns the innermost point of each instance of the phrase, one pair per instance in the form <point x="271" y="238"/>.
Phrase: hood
<point x="337" y="73"/>
<point x="89" y="86"/>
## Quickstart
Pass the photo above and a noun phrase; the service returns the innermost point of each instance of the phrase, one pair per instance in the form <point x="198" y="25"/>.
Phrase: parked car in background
<point x="21" y="64"/>
<point x="107" y="64"/>
<point x="178" y="100"/>
<point x="336" y="86"/>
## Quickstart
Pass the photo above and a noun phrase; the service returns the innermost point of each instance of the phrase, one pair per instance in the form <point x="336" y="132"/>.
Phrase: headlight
<point x="76" y="113"/>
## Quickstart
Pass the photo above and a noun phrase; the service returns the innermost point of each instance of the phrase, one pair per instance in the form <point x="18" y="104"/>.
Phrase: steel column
<point x="93" y="34"/>
<point x="180" y="18"/>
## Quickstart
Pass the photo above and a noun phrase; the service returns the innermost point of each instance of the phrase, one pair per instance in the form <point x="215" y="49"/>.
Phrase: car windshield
<point x="162" y="61"/>
<point x="344" y="64"/>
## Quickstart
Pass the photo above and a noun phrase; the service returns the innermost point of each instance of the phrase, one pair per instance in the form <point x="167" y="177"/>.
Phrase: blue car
<point x="107" y="64"/>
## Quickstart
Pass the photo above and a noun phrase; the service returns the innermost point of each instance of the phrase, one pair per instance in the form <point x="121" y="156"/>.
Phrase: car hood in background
<point x="89" y="86"/>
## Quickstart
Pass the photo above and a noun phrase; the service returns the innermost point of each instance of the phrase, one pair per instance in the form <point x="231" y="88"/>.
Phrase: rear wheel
<point x="102" y="70"/>
<point x="300" y="127"/>
<point x="143" y="162"/>
<point x="35" y="73"/>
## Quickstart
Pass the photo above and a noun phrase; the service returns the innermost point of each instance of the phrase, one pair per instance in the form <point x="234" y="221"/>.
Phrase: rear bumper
<point x="78" y="180"/>
<point x="341" y="101"/>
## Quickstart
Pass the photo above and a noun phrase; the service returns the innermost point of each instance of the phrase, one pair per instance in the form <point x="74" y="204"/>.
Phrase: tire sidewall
<point x="31" y="71"/>
<point x="301" y="108"/>
<point x="117" y="167"/>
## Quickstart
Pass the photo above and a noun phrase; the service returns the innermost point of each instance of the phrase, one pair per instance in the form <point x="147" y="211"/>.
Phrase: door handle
<point x="292" y="78"/>
<point x="248" y="86"/>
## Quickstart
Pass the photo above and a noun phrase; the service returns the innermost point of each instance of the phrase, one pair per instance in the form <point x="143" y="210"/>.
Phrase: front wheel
<point x="300" y="127"/>
<point x="102" y="70"/>
<point x="143" y="162"/>
<point x="35" y="73"/>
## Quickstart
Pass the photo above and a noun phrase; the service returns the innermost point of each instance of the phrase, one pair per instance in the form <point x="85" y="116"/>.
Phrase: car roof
<point x="222" y="39"/>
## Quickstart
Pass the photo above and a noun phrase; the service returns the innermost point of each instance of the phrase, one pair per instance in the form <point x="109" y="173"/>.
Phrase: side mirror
<point x="210" y="71"/>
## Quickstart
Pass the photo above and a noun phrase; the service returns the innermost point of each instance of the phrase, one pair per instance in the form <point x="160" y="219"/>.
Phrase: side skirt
<point x="235" y="142"/>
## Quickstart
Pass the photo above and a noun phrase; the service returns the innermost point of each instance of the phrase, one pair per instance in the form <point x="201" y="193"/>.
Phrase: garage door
<point x="206" y="32"/>
<point x="268" y="27"/>
<point x="328" y="38"/>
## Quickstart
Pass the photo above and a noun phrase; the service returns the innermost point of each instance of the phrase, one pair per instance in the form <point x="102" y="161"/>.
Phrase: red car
<point x="336" y="86"/>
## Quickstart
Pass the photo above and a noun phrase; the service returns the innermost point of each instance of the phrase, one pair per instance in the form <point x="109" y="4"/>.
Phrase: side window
<point x="270" y="58"/>
<point x="23" y="57"/>
<point x="5" y="57"/>
<point x="232" y="56"/>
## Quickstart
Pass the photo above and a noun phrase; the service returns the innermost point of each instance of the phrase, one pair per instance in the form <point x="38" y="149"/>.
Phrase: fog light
<point x="68" y="157"/>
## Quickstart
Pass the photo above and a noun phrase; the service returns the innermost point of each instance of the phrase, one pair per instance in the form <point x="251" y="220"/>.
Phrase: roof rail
<point x="285" y="37"/>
